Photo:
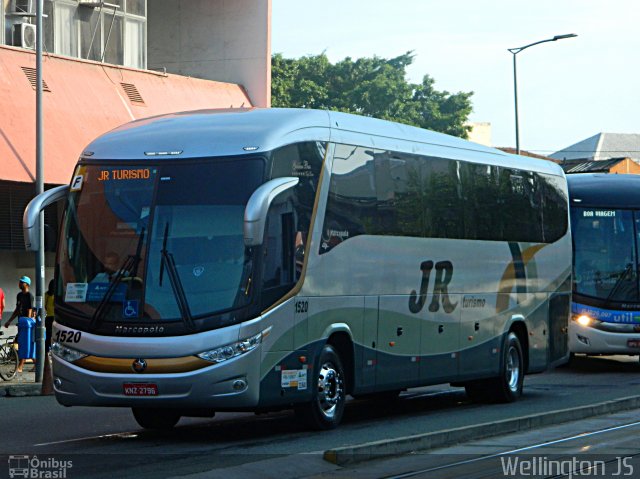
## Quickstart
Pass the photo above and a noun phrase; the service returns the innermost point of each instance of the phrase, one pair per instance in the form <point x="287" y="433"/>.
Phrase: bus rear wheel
<point x="327" y="404"/>
<point x="156" y="418"/>
<point x="508" y="386"/>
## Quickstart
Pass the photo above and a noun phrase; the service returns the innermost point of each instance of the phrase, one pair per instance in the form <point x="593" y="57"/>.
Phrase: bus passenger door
<point x="398" y="344"/>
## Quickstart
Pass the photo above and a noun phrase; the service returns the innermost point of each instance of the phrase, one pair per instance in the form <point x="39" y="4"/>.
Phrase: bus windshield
<point x="605" y="253"/>
<point x="157" y="242"/>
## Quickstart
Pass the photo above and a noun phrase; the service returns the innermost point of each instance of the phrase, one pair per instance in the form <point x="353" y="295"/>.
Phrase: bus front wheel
<point x="156" y="418"/>
<point x="327" y="404"/>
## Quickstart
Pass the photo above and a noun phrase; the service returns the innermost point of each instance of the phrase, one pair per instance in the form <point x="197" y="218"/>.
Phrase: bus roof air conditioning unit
<point x="24" y="35"/>
<point x="23" y="6"/>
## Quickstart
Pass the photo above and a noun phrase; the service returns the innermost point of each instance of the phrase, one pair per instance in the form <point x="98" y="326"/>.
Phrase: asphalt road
<point x="108" y="442"/>
<point x="605" y="446"/>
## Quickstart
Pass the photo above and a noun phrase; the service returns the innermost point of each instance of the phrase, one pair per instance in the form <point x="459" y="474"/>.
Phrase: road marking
<point x="124" y="435"/>
<point x="491" y="456"/>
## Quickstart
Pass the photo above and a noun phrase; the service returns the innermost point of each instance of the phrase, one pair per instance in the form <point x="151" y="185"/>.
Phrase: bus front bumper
<point x="588" y="340"/>
<point x="230" y="385"/>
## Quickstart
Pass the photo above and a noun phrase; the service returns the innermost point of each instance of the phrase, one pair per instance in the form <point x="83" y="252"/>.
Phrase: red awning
<point x="86" y="99"/>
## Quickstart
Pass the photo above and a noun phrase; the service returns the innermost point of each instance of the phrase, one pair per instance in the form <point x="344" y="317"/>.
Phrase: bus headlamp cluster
<point x="584" y="320"/>
<point x="65" y="353"/>
<point x="234" y="350"/>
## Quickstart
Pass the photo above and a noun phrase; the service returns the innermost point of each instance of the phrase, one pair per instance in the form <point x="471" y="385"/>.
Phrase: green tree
<point x="375" y="87"/>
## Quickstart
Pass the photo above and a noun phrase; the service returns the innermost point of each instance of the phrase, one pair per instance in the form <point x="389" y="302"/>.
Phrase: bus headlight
<point x="583" y="320"/>
<point x="65" y="353"/>
<point x="234" y="350"/>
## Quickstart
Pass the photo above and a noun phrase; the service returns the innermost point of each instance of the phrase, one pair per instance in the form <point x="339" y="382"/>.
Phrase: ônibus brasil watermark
<point x="32" y="467"/>
<point x="542" y="466"/>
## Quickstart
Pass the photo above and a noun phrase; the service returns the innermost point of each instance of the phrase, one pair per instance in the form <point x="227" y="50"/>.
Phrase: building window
<point x="134" y="51"/>
<point x="113" y="35"/>
<point x="65" y="29"/>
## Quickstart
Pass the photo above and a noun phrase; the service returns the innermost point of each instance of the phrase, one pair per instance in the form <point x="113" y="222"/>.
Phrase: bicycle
<point x="8" y="358"/>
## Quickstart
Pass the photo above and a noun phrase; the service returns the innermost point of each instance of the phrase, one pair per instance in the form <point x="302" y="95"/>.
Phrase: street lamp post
<point x="39" y="272"/>
<point x="515" y="51"/>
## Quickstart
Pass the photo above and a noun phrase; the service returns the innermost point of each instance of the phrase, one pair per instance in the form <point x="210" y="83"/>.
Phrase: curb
<point x="403" y="445"/>
<point x="21" y="390"/>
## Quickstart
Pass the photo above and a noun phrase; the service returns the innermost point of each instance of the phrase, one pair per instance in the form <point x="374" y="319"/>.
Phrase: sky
<point x="568" y="90"/>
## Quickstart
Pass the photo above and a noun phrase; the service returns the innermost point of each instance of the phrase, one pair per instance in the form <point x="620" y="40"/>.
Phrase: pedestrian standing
<point x="48" y="306"/>
<point x="26" y="324"/>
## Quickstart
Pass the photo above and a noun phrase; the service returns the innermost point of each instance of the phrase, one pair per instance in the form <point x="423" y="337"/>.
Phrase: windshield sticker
<point x="598" y="213"/>
<point x="130" y="308"/>
<point x="97" y="289"/>
<point x="294" y="378"/>
<point x="76" y="293"/>
<point x="78" y="179"/>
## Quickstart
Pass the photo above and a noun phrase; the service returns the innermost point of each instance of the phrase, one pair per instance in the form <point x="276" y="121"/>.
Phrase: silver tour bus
<point x="253" y="260"/>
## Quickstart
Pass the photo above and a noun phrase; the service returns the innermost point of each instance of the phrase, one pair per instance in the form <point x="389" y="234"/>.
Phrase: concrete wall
<point x="223" y="40"/>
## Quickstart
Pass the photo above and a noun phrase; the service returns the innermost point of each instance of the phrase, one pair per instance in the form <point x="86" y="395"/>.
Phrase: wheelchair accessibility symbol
<point x="130" y="309"/>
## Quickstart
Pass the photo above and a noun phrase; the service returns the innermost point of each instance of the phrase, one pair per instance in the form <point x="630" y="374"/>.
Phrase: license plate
<point x="140" y="389"/>
<point x="633" y="343"/>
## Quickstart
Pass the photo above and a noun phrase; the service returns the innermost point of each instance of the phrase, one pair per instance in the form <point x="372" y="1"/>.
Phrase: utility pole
<point x="39" y="273"/>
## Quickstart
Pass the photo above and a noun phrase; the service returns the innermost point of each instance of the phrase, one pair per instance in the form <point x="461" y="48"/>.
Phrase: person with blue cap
<point x="26" y="324"/>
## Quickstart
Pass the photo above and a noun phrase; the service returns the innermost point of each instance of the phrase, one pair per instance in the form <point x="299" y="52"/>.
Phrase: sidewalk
<point x="23" y="384"/>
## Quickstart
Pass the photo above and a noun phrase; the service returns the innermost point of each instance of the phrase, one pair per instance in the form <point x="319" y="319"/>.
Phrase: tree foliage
<point x="375" y="87"/>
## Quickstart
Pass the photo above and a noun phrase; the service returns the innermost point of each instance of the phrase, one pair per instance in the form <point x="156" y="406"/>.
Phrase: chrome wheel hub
<point x="513" y="369"/>
<point x="330" y="389"/>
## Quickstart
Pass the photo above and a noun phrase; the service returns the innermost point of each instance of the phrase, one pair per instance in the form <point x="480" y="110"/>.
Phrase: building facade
<point x="107" y="63"/>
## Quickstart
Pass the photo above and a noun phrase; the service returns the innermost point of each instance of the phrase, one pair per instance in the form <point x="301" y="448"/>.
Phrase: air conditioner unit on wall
<point x="24" y="35"/>
<point x="23" y="6"/>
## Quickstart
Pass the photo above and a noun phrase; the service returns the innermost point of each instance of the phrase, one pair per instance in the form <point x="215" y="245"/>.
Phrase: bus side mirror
<point x="30" y="226"/>
<point x="255" y="213"/>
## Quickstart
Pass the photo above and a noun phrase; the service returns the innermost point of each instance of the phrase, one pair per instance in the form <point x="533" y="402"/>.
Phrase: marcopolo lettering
<point x="443" y="276"/>
<point x="139" y="329"/>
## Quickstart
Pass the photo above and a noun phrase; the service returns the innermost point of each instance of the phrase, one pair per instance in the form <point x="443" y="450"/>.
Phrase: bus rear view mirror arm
<point x="32" y="213"/>
<point x="255" y="214"/>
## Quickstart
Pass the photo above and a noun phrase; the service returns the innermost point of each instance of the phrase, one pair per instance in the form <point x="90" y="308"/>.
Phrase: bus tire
<point x="327" y="404"/>
<point x="508" y="386"/>
<point x="156" y="418"/>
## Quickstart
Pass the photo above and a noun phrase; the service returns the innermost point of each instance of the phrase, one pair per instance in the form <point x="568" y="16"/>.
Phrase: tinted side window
<point x="390" y="193"/>
<point x="304" y="161"/>
<point x="401" y="194"/>
<point x="521" y="208"/>
<point x="352" y="201"/>
<point x="554" y="207"/>
<point x="482" y="199"/>
<point x="444" y="200"/>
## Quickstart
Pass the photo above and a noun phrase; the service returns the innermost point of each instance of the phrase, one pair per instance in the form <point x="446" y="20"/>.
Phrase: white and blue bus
<point x="267" y="259"/>
<point x="605" y="220"/>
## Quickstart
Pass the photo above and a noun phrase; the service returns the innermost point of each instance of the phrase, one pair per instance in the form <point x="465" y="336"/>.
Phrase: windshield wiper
<point x="125" y="269"/>
<point x="129" y="266"/>
<point x="174" y="278"/>
<point x="616" y="286"/>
